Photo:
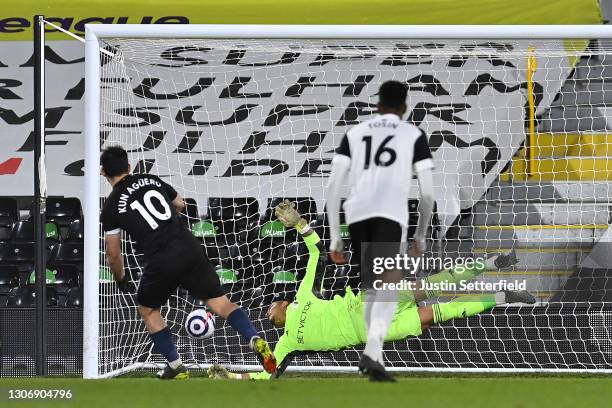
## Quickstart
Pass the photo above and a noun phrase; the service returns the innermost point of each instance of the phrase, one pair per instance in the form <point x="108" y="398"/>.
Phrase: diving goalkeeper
<point x="312" y="324"/>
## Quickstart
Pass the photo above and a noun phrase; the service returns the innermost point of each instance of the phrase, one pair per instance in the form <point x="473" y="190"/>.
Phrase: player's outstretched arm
<point x="290" y="217"/>
<point x="340" y="167"/>
<point x="426" y="205"/>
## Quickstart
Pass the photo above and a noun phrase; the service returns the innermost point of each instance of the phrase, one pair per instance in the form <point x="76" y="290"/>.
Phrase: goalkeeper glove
<point x="216" y="372"/>
<point x="125" y="285"/>
<point x="290" y="217"/>
<point x="506" y="260"/>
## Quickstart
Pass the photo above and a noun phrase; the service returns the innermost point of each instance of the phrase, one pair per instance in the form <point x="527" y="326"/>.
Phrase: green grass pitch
<point x="336" y="391"/>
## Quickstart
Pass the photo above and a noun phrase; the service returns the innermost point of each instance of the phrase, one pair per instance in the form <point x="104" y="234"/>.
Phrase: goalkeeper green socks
<point x="454" y="275"/>
<point x="464" y="306"/>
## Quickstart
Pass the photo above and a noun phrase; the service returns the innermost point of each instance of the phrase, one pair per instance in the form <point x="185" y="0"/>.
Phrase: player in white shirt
<point x="380" y="156"/>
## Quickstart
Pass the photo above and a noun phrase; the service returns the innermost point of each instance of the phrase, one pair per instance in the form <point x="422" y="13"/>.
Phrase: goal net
<point x="518" y="133"/>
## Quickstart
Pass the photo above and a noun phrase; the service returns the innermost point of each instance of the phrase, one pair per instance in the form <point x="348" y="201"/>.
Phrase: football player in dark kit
<point x="146" y="208"/>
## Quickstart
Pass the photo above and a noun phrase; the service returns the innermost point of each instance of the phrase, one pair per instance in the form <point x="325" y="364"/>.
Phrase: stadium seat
<point x="76" y="231"/>
<point x="66" y="253"/>
<point x="233" y="256"/>
<point x="62" y="211"/>
<point x="277" y="290"/>
<point x="25" y="296"/>
<point x="74" y="298"/>
<point x="224" y="232"/>
<point x="62" y="279"/>
<point x="269" y="241"/>
<point x="190" y="214"/>
<point x="66" y="278"/>
<point x="52" y="233"/>
<point x="279" y="274"/>
<point x="230" y="281"/>
<point x="207" y="232"/>
<point x="321" y="225"/>
<point x="334" y="281"/>
<point x="52" y="296"/>
<point x="23" y="231"/>
<point x="233" y="216"/>
<point x="263" y="256"/>
<point x="20" y="255"/>
<point x="293" y="257"/>
<point x="9" y="214"/>
<point x="22" y="296"/>
<point x="212" y="249"/>
<point x="9" y="279"/>
<point x="253" y="297"/>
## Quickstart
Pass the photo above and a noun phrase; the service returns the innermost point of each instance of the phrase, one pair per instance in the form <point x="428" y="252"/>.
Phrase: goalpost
<point x="236" y="116"/>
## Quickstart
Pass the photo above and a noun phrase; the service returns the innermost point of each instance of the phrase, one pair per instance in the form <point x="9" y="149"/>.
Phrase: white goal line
<point x="353" y="369"/>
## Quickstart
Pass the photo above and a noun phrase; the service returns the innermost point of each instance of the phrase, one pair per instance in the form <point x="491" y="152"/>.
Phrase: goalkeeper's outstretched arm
<point x="288" y="215"/>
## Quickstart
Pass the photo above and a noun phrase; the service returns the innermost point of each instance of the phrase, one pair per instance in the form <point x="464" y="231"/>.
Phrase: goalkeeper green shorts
<point x="406" y="322"/>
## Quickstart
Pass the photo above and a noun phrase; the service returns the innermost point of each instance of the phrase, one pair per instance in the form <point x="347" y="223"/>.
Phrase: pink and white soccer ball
<point x="200" y="324"/>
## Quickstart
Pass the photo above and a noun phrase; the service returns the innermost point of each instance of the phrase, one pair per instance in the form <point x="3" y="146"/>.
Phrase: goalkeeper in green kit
<point x="312" y="324"/>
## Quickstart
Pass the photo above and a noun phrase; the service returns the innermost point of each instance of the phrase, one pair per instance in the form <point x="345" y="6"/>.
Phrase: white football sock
<point x="370" y="297"/>
<point x="381" y="316"/>
<point x="176" y="363"/>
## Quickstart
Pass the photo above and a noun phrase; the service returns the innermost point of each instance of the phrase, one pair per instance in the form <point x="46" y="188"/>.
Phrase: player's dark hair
<point x="392" y="94"/>
<point x="114" y="161"/>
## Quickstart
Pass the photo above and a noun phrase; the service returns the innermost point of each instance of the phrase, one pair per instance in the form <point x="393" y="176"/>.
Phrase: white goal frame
<point x="95" y="32"/>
